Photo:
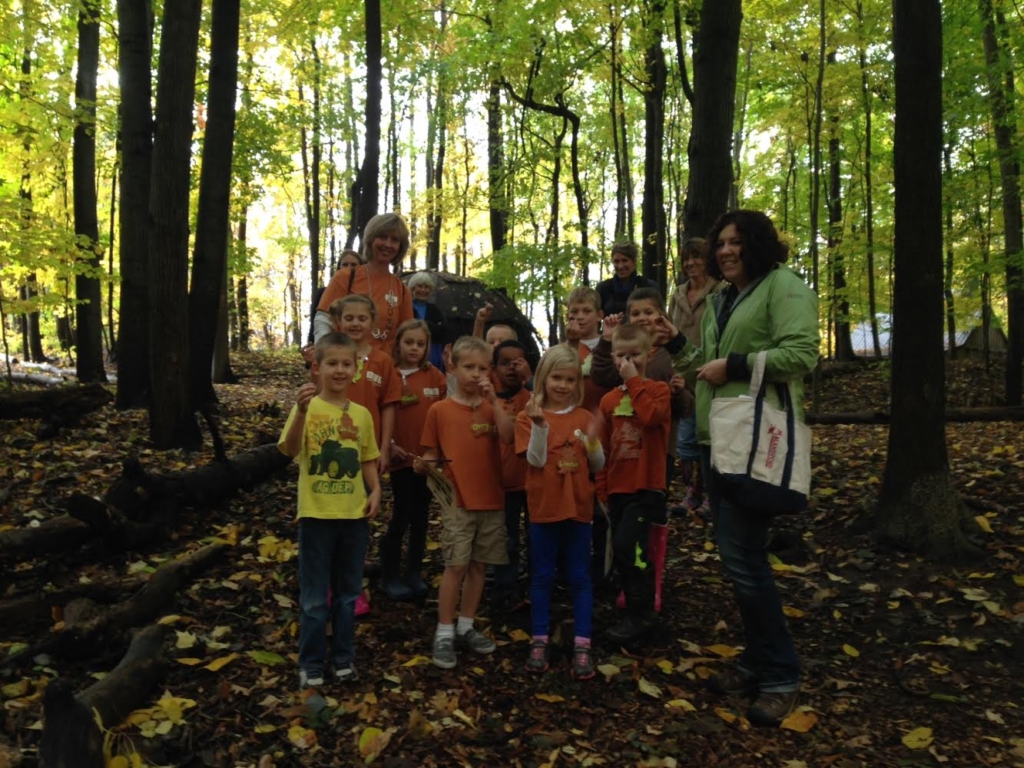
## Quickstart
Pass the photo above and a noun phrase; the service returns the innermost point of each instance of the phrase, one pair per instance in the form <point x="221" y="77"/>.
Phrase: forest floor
<point x="907" y="663"/>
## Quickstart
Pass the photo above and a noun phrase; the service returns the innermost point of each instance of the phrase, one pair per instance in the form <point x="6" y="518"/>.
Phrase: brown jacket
<point x="687" y="318"/>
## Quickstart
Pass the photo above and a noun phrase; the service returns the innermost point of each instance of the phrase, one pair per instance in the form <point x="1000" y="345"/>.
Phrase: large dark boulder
<point x="459" y="298"/>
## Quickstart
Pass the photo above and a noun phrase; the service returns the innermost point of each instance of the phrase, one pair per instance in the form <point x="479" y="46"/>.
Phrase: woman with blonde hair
<point x="385" y="243"/>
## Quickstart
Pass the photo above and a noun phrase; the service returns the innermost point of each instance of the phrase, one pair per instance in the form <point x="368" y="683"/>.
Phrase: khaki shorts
<point x="473" y="536"/>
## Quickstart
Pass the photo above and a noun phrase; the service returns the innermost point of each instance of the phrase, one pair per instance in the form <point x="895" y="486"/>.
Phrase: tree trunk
<point x="209" y="264"/>
<point x="242" y="289"/>
<point x="869" y="208"/>
<point x="737" y="143"/>
<point x="999" y="65"/>
<point x="172" y="424"/>
<point x="919" y="507"/>
<point x="135" y="45"/>
<point x="947" y="164"/>
<point x="619" y="156"/>
<point x="498" y="205"/>
<point x="653" y="206"/>
<point x="815" y="120"/>
<point x="31" y="337"/>
<point x="89" y="310"/>
<point x="841" y="302"/>
<point x="222" y="373"/>
<point x="365" y="189"/>
<point x="714" y="86"/>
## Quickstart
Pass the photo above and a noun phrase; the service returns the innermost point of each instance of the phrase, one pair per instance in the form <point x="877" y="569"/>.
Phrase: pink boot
<point x="362" y="605"/>
<point x="657" y="544"/>
<point x="620" y="601"/>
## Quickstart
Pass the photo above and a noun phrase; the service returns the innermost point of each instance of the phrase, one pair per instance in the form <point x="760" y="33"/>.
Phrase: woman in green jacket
<point x="767" y="307"/>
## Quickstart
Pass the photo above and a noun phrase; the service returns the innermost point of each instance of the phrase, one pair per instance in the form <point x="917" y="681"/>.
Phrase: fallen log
<point x="38" y="379"/>
<point x="71" y="737"/>
<point x="24" y="615"/>
<point x="59" y="407"/>
<point x="104" y="627"/>
<point x="54" y="536"/>
<point x="959" y="415"/>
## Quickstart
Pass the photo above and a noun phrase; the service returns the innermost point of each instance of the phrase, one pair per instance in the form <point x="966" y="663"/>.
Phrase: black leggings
<point x="410" y="510"/>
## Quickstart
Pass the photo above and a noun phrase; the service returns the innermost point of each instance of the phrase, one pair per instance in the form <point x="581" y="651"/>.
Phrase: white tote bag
<point x="761" y="455"/>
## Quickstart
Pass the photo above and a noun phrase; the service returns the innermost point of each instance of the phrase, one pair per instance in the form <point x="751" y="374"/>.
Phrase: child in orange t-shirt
<point x="376" y="385"/>
<point x="559" y="440"/>
<point x="422" y="386"/>
<point x="583" y="332"/>
<point x="463" y="432"/>
<point x="637" y="419"/>
<point x="509" y="363"/>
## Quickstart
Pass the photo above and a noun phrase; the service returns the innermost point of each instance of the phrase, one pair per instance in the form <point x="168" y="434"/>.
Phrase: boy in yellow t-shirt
<point x="339" y="490"/>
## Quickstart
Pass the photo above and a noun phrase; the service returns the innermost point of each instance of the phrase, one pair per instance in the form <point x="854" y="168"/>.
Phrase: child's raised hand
<point x="609" y="324"/>
<point x="446" y="355"/>
<point x="677" y="383"/>
<point x="305" y="394"/>
<point x="309" y="354"/>
<point x="595" y="427"/>
<point x="487" y="390"/>
<point x="626" y="369"/>
<point x="572" y="331"/>
<point x="484" y="313"/>
<point x="522" y="369"/>
<point x="398" y="453"/>
<point x="534" y="412"/>
<point x="664" y="331"/>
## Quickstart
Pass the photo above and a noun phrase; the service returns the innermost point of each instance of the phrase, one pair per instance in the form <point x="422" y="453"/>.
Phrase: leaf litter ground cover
<point x="907" y="663"/>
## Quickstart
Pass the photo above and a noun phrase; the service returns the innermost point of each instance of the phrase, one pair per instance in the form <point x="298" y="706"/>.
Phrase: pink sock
<point x="542" y="638"/>
<point x="584" y="641"/>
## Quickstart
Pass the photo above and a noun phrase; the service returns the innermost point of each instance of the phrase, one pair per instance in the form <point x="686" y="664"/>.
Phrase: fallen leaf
<point x="800" y="721"/>
<point x="417" y="661"/>
<point x="793" y="613"/>
<point x="551" y="698"/>
<point x="608" y="670"/>
<point x="725" y="651"/>
<point x="919" y="738"/>
<point x="372" y="742"/>
<point x="185" y="640"/>
<point x="518" y="636"/>
<point x="983" y="523"/>
<point x="682" y="704"/>
<point x="849" y="650"/>
<point x="170" y="618"/>
<point x="189" y="661"/>
<point x="725" y="714"/>
<point x="267" y="658"/>
<point x="666" y="666"/>
<point x="649" y="688"/>
<point x="217" y="664"/>
<point x="303" y="738"/>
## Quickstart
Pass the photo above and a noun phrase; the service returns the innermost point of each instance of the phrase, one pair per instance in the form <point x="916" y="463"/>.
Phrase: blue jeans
<point x="331" y="555"/>
<point x="571" y="540"/>
<point x="742" y="535"/>
<point x="687" y="447"/>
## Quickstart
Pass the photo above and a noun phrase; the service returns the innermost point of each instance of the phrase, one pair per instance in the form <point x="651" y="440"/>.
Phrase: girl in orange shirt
<point x="422" y="386"/>
<point x="559" y="439"/>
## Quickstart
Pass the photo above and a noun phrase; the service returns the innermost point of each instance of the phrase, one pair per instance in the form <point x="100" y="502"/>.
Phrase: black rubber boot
<point x="640" y="618"/>
<point x="394" y="587"/>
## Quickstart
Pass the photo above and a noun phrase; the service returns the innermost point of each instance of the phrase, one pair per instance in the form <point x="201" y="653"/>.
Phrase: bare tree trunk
<point x="365" y="190"/>
<point x="135" y="48"/>
<point x="209" y="264"/>
<point x="497" y="202"/>
<point x="654" y="234"/>
<point x="919" y="508"/>
<point x="714" y="86"/>
<point x="172" y="423"/>
<point x="815" y="150"/>
<point x="89" y="311"/>
<point x="31" y="339"/>
<point x="737" y="142"/>
<point x="998" y="59"/>
<point x="947" y="151"/>
<point x="869" y="208"/>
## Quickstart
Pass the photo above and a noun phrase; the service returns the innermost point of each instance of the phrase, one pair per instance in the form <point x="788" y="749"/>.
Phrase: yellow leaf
<point x="416" y="661"/>
<point x="725" y="651"/>
<point x="793" y="613"/>
<point x="608" y="670"/>
<point x="173" y="706"/>
<point x="189" y="661"/>
<point x="303" y="738"/>
<point x="849" y="650"/>
<point x="1018" y="579"/>
<point x="185" y="640"/>
<point x="136" y="760"/>
<point x="682" y="704"/>
<point x="983" y="523"/>
<point x="649" y="688"/>
<point x="169" y="619"/>
<point x="708" y="546"/>
<point x="518" y="636"/>
<point x="919" y="738"/>
<point x="704" y="672"/>
<point x="800" y="721"/>
<point x="725" y="714"/>
<point x="163" y="727"/>
<point x="119" y="762"/>
<point x="550" y="698"/>
<point x="825" y="491"/>
<point x="666" y="666"/>
<point x="479" y="671"/>
<point x="265" y="728"/>
<point x="217" y="664"/>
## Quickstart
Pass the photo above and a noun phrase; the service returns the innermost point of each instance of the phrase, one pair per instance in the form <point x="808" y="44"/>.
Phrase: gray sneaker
<point x="476" y="642"/>
<point x="444" y="651"/>
<point x="346" y="673"/>
<point x="310" y="679"/>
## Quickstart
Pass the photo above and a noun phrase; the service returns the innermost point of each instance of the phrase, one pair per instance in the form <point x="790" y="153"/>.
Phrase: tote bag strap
<point x="757" y="385"/>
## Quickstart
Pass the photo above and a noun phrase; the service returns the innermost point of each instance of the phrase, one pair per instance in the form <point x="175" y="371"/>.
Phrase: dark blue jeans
<point x="331" y="555"/>
<point x="742" y="536"/>
<point x="571" y="540"/>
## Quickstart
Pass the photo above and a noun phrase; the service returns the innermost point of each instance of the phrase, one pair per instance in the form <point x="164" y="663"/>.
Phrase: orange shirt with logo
<point x="420" y="390"/>
<point x="468" y="438"/>
<point x="513" y="466"/>
<point x="389" y="294"/>
<point x="561" y="489"/>
<point x="375" y="384"/>
<point x="636" y="427"/>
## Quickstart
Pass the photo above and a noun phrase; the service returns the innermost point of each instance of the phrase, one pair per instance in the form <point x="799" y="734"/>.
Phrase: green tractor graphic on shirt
<point x="335" y="460"/>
